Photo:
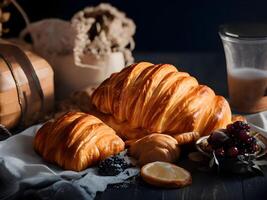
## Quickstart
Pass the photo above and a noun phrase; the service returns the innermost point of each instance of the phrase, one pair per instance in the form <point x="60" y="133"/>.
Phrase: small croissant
<point x="154" y="147"/>
<point x="159" y="147"/>
<point x="76" y="141"/>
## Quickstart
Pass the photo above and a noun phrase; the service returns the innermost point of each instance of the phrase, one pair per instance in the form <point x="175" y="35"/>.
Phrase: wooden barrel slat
<point x="10" y="110"/>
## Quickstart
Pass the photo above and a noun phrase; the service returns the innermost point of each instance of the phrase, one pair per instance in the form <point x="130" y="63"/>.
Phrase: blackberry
<point x="112" y="166"/>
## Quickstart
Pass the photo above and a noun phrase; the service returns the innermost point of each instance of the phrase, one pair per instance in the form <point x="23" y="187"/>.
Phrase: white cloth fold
<point x="22" y="170"/>
<point x="258" y="122"/>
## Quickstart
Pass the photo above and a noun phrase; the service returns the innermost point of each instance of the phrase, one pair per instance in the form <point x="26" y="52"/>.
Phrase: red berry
<point x="240" y="125"/>
<point x="232" y="152"/>
<point x="244" y="137"/>
<point x="231" y="131"/>
<point x="239" y="142"/>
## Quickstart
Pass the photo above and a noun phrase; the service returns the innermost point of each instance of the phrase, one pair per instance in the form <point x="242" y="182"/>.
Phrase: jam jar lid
<point x="244" y="30"/>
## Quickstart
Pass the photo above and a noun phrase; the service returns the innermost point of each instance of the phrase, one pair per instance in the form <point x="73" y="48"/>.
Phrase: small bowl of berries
<point x="235" y="148"/>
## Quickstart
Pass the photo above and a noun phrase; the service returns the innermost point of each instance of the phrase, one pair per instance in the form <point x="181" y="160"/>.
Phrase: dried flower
<point x="4" y="16"/>
<point x="102" y="30"/>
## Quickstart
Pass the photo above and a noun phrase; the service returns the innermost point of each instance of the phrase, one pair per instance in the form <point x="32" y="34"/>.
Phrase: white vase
<point x="70" y="77"/>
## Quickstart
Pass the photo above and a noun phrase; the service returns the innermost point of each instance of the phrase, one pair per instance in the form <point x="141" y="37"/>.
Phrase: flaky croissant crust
<point x="145" y="98"/>
<point x="76" y="141"/>
<point x="154" y="147"/>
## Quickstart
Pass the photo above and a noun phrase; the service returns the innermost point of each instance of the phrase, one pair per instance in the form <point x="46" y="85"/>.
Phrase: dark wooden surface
<point x="205" y="186"/>
<point x="209" y="69"/>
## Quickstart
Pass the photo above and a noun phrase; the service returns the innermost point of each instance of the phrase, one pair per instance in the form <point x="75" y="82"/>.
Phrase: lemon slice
<point x="165" y="174"/>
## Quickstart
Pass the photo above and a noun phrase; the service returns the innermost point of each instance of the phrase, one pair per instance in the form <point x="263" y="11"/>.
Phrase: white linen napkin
<point x="258" y="122"/>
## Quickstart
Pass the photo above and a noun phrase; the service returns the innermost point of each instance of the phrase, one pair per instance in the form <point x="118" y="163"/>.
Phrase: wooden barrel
<point x="26" y="86"/>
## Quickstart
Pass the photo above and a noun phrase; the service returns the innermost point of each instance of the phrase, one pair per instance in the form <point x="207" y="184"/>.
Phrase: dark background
<point x="161" y="25"/>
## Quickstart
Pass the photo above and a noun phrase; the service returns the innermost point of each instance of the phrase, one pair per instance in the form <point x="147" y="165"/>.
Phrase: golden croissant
<point x="145" y="98"/>
<point x="76" y="141"/>
<point x="154" y="147"/>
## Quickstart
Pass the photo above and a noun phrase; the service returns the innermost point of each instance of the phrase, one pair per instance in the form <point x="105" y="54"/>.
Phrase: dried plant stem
<point x="21" y="11"/>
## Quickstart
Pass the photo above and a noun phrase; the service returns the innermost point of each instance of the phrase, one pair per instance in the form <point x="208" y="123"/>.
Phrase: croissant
<point x="154" y="147"/>
<point x="76" y="141"/>
<point x="145" y="98"/>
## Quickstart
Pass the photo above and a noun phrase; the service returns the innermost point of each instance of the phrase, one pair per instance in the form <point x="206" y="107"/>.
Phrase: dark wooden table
<point x="209" y="69"/>
<point x="205" y="186"/>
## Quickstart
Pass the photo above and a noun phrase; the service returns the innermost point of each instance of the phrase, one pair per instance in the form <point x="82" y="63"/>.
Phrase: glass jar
<point x="245" y="47"/>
